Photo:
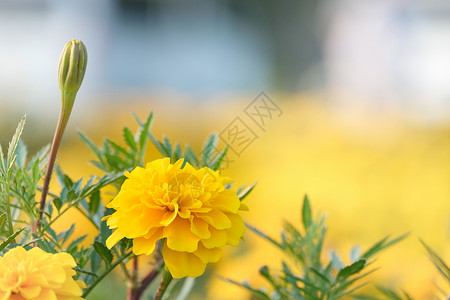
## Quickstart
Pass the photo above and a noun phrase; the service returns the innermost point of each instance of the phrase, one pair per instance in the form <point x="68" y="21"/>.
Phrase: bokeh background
<point x="363" y="85"/>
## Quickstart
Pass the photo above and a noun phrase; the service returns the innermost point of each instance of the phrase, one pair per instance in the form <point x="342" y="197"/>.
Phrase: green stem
<point x="167" y="278"/>
<point x="103" y="275"/>
<point x="8" y="206"/>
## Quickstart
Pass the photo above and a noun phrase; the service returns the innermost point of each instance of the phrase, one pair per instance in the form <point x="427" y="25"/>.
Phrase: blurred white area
<point x="378" y="55"/>
<point x="165" y="46"/>
<point x="390" y="54"/>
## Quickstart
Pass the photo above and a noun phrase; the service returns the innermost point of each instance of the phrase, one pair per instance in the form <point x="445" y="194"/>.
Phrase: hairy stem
<point x="62" y="122"/>
<point x="167" y="278"/>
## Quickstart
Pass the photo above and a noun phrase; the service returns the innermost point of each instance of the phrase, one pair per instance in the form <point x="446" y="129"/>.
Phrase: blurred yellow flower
<point x="38" y="275"/>
<point x="190" y="208"/>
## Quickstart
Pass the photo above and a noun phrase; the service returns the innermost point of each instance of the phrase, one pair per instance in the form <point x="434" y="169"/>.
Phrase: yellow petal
<point x="235" y="233"/>
<point x="218" y="238"/>
<point x="169" y="216"/>
<point x="114" y="238"/>
<point x="159" y="164"/>
<point x="226" y="201"/>
<point x="146" y="245"/>
<point x="46" y="294"/>
<point x="179" y="236"/>
<point x="30" y="292"/>
<point x="182" y="264"/>
<point x="216" y="218"/>
<point x="200" y="228"/>
<point x="208" y="255"/>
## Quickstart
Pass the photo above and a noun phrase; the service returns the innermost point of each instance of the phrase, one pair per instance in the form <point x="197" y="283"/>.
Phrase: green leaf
<point x="104" y="252"/>
<point x="257" y="293"/>
<point x="2" y="221"/>
<point x="209" y="148"/>
<point x="67" y="234"/>
<point x="351" y="270"/>
<point x="167" y="146"/>
<point x="21" y="153"/>
<point x="389" y="293"/>
<point x="382" y="244"/>
<point x="438" y="262"/>
<point x="74" y="244"/>
<point x="243" y="194"/>
<point x="217" y="160"/>
<point x="306" y="213"/>
<point x="143" y="131"/>
<point x="336" y="261"/>
<point x="15" y="141"/>
<point x="176" y="155"/>
<point x="10" y="239"/>
<point x="191" y="157"/>
<point x="263" y="235"/>
<point x="58" y="203"/>
<point x="94" y="201"/>
<point x="129" y="139"/>
<point x="320" y="275"/>
<point x="2" y="162"/>
<point x="90" y="144"/>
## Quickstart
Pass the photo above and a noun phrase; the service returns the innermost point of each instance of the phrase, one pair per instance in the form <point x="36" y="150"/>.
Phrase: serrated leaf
<point x="74" y="244"/>
<point x="176" y="155"/>
<point x="2" y="162"/>
<point x="15" y="141"/>
<point x="217" y="160"/>
<point x="306" y="213"/>
<point x="21" y="153"/>
<point x="167" y="146"/>
<point x="336" y="261"/>
<point x="209" y="148"/>
<point x="94" y="201"/>
<point x="58" y="203"/>
<point x="91" y="145"/>
<point x="67" y="234"/>
<point x="104" y="252"/>
<point x="10" y="239"/>
<point x="191" y="157"/>
<point x="352" y="269"/>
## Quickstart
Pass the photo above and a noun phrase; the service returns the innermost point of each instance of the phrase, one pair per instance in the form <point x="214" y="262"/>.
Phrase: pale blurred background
<point x="364" y="87"/>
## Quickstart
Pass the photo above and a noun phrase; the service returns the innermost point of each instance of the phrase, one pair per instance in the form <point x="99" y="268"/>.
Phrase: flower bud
<point x="72" y="67"/>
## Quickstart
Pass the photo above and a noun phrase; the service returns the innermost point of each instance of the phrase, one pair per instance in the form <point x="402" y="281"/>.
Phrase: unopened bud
<point x="72" y="67"/>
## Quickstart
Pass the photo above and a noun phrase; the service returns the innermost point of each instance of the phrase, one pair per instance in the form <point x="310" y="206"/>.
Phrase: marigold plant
<point x="38" y="275"/>
<point x="190" y="209"/>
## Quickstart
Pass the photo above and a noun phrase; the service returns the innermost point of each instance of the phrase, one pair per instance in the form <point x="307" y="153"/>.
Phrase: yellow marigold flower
<point x="38" y="275"/>
<point x="190" y="209"/>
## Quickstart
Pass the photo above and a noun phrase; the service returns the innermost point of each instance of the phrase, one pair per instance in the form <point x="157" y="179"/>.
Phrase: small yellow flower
<point x="190" y="209"/>
<point x="38" y="275"/>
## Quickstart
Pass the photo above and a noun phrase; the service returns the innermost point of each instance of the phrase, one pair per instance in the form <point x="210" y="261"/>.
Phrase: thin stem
<point x="122" y="266"/>
<point x="167" y="278"/>
<point x="103" y="275"/>
<point x="62" y="122"/>
<point x="147" y="280"/>
<point x="133" y="284"/>
<point x="8" y="206"/>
